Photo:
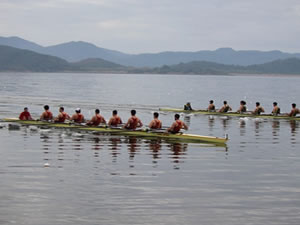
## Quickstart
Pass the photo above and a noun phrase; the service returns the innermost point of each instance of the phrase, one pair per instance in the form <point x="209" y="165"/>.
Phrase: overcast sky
<point x="138" y="26"/>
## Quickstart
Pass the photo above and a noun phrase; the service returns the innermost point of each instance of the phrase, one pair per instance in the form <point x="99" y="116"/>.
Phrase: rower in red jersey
<point x="177" y="125"/>
<point x="25" y="115"/>
<point x="133" y="122"/>
<point x="62" y="116"/>
<point x="294" y="110"/>
<point x="115" y="120"/>
<point x="155" y="123"/>
<point x="78" y="116"/>
<point x="46" y="115"/>
<point x="96" y="119"/>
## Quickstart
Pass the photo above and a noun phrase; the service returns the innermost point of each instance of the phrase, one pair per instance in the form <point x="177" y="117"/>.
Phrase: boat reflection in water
<point x="178" y="152"/>
<point x="64" y="148"/>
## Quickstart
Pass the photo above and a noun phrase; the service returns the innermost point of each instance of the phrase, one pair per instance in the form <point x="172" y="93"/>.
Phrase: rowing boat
<point x="248" y="114"/>
<point x="125" y="132"/>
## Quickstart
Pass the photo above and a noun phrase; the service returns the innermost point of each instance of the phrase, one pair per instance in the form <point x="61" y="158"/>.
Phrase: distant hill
<point x="14" y="59"/>
<point x="98" y="65"/>
<point x="282" y="66"/>
<point x="77" y="51"/>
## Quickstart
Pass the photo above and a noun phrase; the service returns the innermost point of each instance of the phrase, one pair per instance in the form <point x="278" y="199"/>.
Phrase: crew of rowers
<point x="243" y="108"/>
<point x="115" y="121"/>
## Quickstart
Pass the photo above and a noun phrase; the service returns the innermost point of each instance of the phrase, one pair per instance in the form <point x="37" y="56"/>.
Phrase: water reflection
<point x="225" y="122"/>
<point x="114" y="147"/>
<point x="133" y="146"/>
<point x="242" y="122"/>
<point x="211" y="123"/>
<point x="294" y="126"/>
<point x="275" y="131"/>
<point x="155" y="146"/>
<point x="178" y="151"/>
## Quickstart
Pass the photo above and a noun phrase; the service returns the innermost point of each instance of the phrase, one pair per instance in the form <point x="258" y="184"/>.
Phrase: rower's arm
<point x="185" y="126"/>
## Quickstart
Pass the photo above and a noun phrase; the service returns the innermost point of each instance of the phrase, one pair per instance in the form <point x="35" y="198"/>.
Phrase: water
<point x="53" y="176"/>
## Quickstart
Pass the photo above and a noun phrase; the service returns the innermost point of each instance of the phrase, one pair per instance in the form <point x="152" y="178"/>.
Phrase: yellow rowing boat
<point x="121" y="131"/>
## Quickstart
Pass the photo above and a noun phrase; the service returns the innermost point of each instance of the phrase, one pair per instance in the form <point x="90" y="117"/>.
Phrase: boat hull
<point x="125" y="132"/>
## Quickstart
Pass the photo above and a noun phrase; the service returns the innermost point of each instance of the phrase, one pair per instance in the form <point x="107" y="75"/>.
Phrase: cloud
<point x="156" y="25"/>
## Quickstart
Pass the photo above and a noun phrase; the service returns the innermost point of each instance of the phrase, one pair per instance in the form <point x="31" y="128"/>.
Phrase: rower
<point x="25" y="115"/>
<point x="258" y="110"/>
<point x="115" y="120"/>
<point x="133" y="122"/>
<point x="187" y="106"/>
<point x="276" y="109"/>
<point x="78" y="116"/>
<point x="242" y="108"/>
<point x="47" y="115"/>
<point x="62" y="116"/>
<point x="294" y="110"/>
<point x="155" y="123"/>
<point x="211" y="107"/>
<point x="96" y="119"/>
<point x="177" y="125"/>
<point x="225" y="108"/>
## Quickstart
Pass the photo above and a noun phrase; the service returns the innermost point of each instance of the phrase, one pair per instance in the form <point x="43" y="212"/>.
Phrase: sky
<point x="140" y="26"/>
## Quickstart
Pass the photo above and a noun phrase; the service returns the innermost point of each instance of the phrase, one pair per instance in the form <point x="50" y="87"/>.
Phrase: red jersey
<point x="63" y="117"/>
<point x="79" y="118"/>
<point x="115" y="121"/>
<point x="25" y="116"/>
<point x="133" y="123"/>
<point x="47" y="115"/>
<point x="98" y="119"/>
<point x="155" y="124"/>
<point x="178" y="124"/>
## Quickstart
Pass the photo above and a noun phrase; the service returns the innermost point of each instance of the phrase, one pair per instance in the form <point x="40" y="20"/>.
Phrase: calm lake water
<point x="53" y="176"/>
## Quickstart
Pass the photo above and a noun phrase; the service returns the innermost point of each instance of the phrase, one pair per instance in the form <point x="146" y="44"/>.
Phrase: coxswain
<point x="294" y="110"/>
<point x="177" y="125"/>
<point x="133" y="122"/>
<point x="96" y="119"/>
<point x="62" y="116"/>
<point x="243" y="107"/>
<point x="225" y="108"/>
<point x="115" y="120"/>
<point x="258" y="109"/>
<point x="276" y="109"/>
<point x="25" y="115"/>
<point x="187" y="106"/>
<point x="47" y="115"/>
<point x="78" y="116"/>
<point x="211" y="107"/>
<point x="155" y="123"/>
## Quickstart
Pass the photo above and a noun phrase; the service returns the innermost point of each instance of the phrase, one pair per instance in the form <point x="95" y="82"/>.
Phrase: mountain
<point x="77" y="51"/>
<point x="282" y="66"/>
<point x="14" y="59"/>
<point x="98" y="65"/>
<point x="17" y="42"/>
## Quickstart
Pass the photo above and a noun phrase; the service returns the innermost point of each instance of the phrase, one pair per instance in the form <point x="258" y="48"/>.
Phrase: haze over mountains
<point x="77" y="51"/>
